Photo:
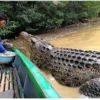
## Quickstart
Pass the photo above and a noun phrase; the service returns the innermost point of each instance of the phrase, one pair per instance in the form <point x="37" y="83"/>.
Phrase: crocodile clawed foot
<point x="91" y="88"/>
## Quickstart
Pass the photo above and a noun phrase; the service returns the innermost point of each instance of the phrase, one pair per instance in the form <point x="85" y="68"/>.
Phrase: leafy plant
<point x="39" y="16"/>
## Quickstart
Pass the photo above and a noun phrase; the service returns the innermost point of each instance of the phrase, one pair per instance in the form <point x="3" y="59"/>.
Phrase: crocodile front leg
<point x="91" y="88"/>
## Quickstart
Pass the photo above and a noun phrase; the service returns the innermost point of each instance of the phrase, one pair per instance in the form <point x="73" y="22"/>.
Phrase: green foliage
<point x="79" y="10"/>
<point x="92" y="8"/>
<point x="33" y="16"/>
<point x="62" y="5"/>
<point x="70" y="18"/>
<point x="11" y="25"/>
<point x="83" y="15"/>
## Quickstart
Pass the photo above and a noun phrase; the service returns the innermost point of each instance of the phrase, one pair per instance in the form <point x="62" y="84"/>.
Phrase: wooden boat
<point x="22" y="79"/>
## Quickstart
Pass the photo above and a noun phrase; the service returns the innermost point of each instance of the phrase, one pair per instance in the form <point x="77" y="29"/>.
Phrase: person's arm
<point x="2" y="49"/>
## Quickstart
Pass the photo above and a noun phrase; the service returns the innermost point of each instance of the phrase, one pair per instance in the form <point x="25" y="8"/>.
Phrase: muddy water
<point x="64" y="91"/>
<point x="86" y="40"/>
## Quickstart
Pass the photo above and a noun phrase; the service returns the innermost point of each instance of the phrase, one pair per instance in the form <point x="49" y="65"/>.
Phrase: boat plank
<point x="15" y="86"/>
<point x="2" y="82"/>
<point x="7" y="81"/>
<point x="11" y="79"/>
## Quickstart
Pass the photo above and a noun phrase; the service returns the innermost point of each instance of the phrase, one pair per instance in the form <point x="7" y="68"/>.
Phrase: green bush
<point x="39" y="16"/>
<point x="31" y="16"/>
<point x="9" y="28"/>
<point x="83" y="15"/>
<point x="70" y="18"/>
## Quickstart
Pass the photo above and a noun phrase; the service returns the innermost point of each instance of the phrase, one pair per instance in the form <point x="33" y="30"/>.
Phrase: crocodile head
<point x="36" y="42"/>
<point x="7" y="44"/>
<point x="38" y="48"/>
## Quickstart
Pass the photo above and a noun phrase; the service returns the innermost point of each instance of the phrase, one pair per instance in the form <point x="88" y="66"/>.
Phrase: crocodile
<point x="7" y="44"/>
<point x="70" y="67"/>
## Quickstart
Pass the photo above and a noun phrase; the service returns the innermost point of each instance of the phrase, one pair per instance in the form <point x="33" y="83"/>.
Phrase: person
<point x="3" y="22"/>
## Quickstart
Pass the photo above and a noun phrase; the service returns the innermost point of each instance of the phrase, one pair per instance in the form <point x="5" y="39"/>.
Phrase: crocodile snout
<point x="23" y="34"/>
<point x="8" y="45"/>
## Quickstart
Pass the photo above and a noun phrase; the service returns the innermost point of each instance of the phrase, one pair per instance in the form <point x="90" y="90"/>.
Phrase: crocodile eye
<point x="33" y="40"/>
<point x="33" y="43"/>
<point x="44" y="48"/>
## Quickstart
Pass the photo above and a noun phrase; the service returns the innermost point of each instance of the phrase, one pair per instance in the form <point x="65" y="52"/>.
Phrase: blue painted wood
<point x="29" y="89"/>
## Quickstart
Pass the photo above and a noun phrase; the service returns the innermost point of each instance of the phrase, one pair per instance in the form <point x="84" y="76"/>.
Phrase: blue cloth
<point x="2" y="49"/>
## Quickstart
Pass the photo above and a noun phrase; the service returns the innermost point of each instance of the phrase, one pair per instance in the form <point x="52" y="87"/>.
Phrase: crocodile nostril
<point x="44" y="47"/>
<point x="48" y="49"/>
